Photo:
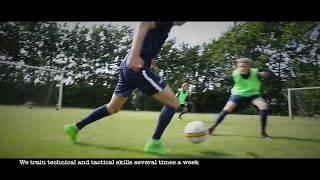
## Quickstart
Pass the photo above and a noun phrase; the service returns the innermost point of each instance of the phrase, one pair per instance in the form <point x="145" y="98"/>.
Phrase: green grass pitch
<point x="38" y="133"/>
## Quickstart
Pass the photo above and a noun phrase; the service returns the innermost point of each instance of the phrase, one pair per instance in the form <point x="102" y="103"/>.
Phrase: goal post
<point x="290" y="98"/>
<point x="59" y="102"/>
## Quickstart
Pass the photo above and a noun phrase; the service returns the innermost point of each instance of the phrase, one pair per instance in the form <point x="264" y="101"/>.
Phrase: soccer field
<point x="38" y="133"/>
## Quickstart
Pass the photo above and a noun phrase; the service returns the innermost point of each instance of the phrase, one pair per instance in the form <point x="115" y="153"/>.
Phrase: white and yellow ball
<point x="196" y="132"/>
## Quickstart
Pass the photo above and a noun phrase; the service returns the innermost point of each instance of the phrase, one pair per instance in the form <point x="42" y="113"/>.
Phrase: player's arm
<point x="167" y="23"/>
<point x="177" y="94"/>
<point x="178" y="23"/>
<point x="187" y="100"/>
<point x="229" y="81"/>
<point x="135" y="62"/>
<point x="153" y="64"/>
<point x="266" y="74"/>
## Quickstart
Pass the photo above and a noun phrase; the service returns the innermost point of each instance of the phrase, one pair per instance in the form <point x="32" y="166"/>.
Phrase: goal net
<point x="30" y="86"/>
<point x="304" y="102"/>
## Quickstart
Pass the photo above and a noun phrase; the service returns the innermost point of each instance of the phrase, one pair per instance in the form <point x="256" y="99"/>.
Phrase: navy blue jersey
<point x="153" y="42"/>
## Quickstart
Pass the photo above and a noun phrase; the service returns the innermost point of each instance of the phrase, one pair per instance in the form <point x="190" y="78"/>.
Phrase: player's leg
<point x="228" y="108"/>
<point x="170" y="102"/>
<point x="119" y="98"/>
<point x="112" y="107"/>
<point x="263" y="108"/>
<point x="152" y="85"/>
<point x="183" y="110"/>
<point x="179" y="110"/>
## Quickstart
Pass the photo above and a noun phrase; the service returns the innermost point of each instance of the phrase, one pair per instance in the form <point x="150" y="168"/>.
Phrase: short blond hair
<point x="183" y="84"/>
<point x="244" y="60"/>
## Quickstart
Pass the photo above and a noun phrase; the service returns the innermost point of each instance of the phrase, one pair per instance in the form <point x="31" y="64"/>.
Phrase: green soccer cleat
<point x="155" y="146"/>
<point x="72" y="131"/>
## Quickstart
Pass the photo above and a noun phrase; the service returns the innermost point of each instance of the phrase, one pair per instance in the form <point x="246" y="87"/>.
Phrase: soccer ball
<point x="196" y="132"/>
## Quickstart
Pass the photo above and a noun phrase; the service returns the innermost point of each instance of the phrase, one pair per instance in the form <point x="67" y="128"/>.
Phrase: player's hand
<point x="178" y="23"/>
<point x="153" y="64"/>
<point x="135" y="62"/>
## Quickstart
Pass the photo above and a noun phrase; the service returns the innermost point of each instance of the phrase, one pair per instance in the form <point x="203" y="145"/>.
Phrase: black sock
<point x="181" y="114"/>
<point x="263" y="120"/>
<point x="93" y="116"/>
<point x="220" y="118"/>
<point x="165" y="117"/>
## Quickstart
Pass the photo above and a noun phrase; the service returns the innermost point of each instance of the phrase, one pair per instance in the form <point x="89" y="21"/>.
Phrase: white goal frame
<point x="44" y="69"/>
<point x="289" y="98"/>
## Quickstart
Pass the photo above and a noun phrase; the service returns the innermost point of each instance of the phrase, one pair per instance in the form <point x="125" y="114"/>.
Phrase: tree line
<point x="91" y="56"/>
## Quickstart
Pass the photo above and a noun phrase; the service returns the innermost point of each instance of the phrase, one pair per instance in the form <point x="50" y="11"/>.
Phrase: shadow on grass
<point x="273" y="137"/>
<point x="296" y="139"/>
<point x="204" y="154"/>
<point x="215" y="154"/>
<point x="108" y="147"/>
<point x="236" y="135"/>
<point x="190" y="120"/>
<point x="252" y="154"/>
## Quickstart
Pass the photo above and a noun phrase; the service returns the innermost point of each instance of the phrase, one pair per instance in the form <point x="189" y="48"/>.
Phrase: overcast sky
<point x="194" y="33"/>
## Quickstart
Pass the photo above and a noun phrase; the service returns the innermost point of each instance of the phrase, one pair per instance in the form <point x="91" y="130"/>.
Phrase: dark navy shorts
<point x="239" y="99"/>
<point x="144" y="80"/>
<point x="182" y="106"/>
